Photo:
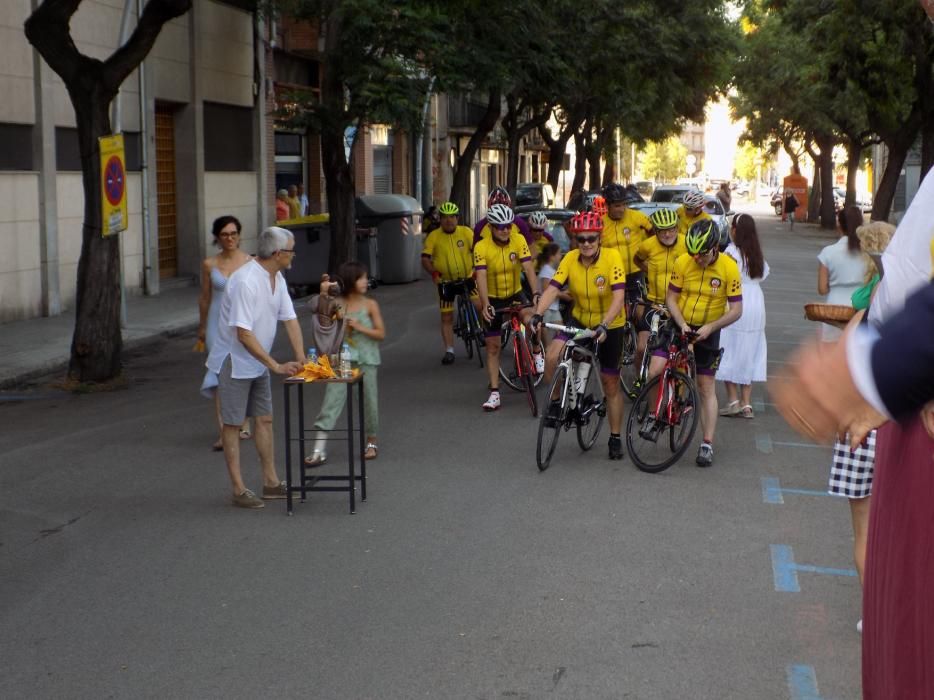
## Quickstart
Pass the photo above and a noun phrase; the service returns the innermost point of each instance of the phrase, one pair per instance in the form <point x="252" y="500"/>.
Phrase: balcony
<point x="464" y="112"/>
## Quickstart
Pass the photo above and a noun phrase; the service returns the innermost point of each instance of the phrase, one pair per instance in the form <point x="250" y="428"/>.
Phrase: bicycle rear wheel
<point x="591" y="410"/>
<point x="656" y="442"/>
<point x="630" y="367"/>
<point x="528" y="375"/>
<point x="508" y="370"/>
<point x="553" y="417"/>
<point x="475" y="328"/>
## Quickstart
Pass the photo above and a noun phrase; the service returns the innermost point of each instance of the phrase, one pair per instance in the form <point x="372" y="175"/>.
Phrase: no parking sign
<point x="113" y="185"/>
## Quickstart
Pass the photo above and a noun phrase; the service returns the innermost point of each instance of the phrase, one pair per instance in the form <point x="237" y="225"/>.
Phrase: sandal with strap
<point x="747" y="411"/>
<point x="731" y="409"/>
<point x="371" y="451"/>
<point x="316" y="459"/>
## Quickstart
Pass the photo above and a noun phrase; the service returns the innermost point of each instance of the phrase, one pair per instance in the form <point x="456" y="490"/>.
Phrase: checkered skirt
<point x="851" y="472"/>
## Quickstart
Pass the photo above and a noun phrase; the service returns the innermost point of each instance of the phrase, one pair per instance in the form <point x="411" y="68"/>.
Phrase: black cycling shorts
<point x="495" y="326"/>
<point x="608" y="352"/>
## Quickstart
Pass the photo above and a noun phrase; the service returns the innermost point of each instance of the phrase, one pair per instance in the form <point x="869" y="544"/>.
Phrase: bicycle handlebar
<point x="575" y="333"/>
<point x="515" y="306"/>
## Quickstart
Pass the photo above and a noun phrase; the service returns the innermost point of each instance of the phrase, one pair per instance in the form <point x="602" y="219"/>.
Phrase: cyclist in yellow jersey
<point x="691" y="211"/>
<point x="624" y="229"/>
<point x="595" y="280"/>
<point x="705" y="294"/>
<point x="656" y="257"/>
<point x="499" y="262"/>
<point x="448" y="257"/>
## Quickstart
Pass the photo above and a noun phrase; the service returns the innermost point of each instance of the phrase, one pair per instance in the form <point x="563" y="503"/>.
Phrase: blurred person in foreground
<point x="882" y="374"/>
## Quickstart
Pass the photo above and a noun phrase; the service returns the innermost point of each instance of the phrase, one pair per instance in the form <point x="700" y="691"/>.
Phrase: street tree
<point x="92" y="84"/>
<point x="663" y="161"/>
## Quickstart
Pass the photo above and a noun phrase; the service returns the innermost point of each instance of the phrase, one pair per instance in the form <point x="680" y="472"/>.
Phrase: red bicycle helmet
<point x="586" y="221"/>
<point x="498" y="195"/>
<point x="599" y="205"/>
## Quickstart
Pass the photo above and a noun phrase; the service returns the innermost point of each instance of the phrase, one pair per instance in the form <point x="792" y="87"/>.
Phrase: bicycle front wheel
<point x="655" y="441"/>
<point x="591" y="410"/>
<point x="528" y="376"/>
<point x="549" y="427"/>
<point x="510" y="370"/>
<point x="630" y="367"/>
<point x="463" y="324"/>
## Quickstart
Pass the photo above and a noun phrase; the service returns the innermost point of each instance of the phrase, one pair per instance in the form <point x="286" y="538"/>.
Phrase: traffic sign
<point x="113" y="185"/>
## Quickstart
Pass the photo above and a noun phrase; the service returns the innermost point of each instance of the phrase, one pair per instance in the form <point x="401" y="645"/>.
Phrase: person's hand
<point x="201" y="334"/>
<point x="703" y="332"/>
<point x="352" y="323"/>
<point x="436" y="277"/>
<point x="685" y="329"/>
<point x="927" y="419"/>
<point x="488" y="313"/>
<point x="325" y="286"/>
<point x="288" y="369"/>
<point x="535" y="322"/>
<point x="600" y="331"/>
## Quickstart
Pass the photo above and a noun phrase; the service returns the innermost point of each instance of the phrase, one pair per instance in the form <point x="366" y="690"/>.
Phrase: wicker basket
<point x="836" y="314"/>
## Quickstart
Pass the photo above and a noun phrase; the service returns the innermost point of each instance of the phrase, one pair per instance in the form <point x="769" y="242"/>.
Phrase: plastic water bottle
<point x="312" y="356"/>
<point x="345" y="367"/>
<point x="580" y="378"/>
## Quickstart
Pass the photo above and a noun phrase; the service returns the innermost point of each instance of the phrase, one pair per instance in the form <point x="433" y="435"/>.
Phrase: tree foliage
<point x="664" y="161"/>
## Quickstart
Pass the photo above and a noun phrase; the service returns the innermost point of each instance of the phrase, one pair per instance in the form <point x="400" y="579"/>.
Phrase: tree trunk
<point x="556" y="150"/>
<point x="825" y="143"/>
<point x="580" y="163"/>
<point x="92" y="85"/>
<point x="460" y="188"/>
<point x="510" y="124"/>
<point x="814" y="200"/>
<point x="898" y="146"/>
<point x="97" y="341"/>
<point x="340" y="192"/>
<point x="592" y="145"/>
<point x="854" y="154"/>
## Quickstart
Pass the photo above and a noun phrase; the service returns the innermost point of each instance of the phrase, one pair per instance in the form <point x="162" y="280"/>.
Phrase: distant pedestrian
<point x="302" y="200"/>
<point x="363" y="331"/>
<point x="843" y="267"/>
<point x="432" y="219"/>
<point x="255" y="300"/>
<point x="295" y="206"/>
<point x="744" y="347"/>
<point x="791" y="205"/>
<point x="725" y="196"/>
<point x="215" y="271"/>
<point x="282" y="205"/>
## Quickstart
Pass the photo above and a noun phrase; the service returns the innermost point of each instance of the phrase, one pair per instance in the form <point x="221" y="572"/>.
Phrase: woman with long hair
<point x="743" y="343"/>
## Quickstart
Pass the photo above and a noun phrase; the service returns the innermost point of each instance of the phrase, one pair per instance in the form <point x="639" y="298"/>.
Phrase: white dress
<point x="744" y="347"/>
<point x="847" y="273"/>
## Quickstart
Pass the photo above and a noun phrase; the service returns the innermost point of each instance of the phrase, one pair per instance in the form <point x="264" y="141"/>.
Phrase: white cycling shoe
<point x="493" y="402"/>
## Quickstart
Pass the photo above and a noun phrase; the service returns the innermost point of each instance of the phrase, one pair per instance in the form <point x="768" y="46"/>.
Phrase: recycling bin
<point x="312" y="246"/>
<point x="398" y="222"/>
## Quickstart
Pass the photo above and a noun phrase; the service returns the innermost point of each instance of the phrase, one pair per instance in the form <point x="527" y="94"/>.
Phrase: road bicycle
<point x="630" y="336"/>
<point x="633" y="370"/>
<point x="576" y="398"/>
<point x="467" y="325"/>
<point x="663" y="417"/>
<point x="516" y="365"/>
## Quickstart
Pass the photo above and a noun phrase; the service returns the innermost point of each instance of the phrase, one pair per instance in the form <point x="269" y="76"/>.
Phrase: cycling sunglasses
<point x="588" y="239"/>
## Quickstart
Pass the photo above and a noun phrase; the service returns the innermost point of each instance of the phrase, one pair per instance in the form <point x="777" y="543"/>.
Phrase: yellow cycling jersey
<point x="451" y="253"/>
<point x="685" y="221"/>
<point x="592" y="286"/>
<point x="660" y="261"/>
<point x="503" y="264"/>
<point x="625" y="235"/>
<point x="704" y="291"/>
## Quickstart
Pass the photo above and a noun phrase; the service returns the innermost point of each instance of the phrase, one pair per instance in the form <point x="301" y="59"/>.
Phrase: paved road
<point x="125" y="573"/>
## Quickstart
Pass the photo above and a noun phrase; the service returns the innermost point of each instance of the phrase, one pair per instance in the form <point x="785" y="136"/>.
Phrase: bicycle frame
<point x="679" y="358"/>
<point x="568" y="360"/>
<point x="517" y="327"/>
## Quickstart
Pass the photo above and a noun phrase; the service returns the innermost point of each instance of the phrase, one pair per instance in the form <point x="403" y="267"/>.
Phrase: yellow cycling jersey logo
<point x="460" y="244"/>
<point x="715" y="284"/>
<point x="513" y="257"/>
<point x="600" y="282"/>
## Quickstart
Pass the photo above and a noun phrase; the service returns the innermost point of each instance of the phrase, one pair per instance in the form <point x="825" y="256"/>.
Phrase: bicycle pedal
<point x="650" y="432"/>
<point x="601" y="410"/>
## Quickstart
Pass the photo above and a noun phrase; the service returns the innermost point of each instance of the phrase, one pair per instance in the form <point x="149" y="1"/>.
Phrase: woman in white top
<point x="843" y="268"/>
<point x="743" y="343"/>
<point x="548" y="261"/>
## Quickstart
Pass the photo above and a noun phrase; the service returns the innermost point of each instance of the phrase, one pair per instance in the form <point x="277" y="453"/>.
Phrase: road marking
<point x="764" y="443"/>
<point x="802" y="683"/>
<point x="785" y="570"/>
<point x="798" y="444"/>
<point x="772" y="491"/>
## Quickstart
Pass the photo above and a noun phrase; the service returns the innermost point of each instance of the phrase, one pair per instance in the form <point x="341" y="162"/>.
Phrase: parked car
<point x="581" y="201"/>
<point x="839" y="197"/>
<point x="712" y="206"/>
<point x="645" y="187"/>
<point x="531" y="196"/>
<point x="555" y="227"/>
<point x="671" y="193"/>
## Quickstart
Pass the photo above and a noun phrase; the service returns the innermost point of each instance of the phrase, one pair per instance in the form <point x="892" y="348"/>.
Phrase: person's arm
<point x="823" y="280"/>
<point x="731" y="316"/>
<point x="616" y="305"/>
<point x="532" y="278"/>
<point x="430" y="268"/>
<point x="546" y="299"/>
<point x="640" y="262"/>
<point x="204" y="299"/>
<point x="253" y="347"/>
<point x="294" y="331"/>
<point x="482" y="291"/>
<point x="378" y="331"/>
<point x="671" y="301"/>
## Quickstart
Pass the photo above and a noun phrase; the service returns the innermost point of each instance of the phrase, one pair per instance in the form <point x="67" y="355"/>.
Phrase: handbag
<point x="863" y="295"/>
<point x="327" y="324"/>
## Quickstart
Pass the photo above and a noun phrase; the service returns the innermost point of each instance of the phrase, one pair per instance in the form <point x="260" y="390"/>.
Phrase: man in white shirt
<point x="255" y="300"/>
<point x="302" y="200"/>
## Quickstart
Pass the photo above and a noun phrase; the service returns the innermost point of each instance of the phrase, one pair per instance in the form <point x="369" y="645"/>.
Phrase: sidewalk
<point x="38" y="346"/>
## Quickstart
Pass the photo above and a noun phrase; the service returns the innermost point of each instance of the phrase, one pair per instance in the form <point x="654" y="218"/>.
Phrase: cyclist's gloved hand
<point x="600" y="332"/>
<point x="535" y="322"/>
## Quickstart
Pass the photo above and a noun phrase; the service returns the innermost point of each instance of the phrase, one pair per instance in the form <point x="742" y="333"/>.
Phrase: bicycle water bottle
<point x="345" y="366"/>
<point x="580" y="377"/>
<point x="312" y="356"/>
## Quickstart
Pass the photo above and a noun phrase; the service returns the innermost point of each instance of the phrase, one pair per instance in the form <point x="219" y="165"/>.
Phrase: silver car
<point x="671" y="198"/>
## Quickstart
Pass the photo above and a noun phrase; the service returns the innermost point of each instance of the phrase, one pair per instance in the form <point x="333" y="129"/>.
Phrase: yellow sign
<point x="113" y="185"/>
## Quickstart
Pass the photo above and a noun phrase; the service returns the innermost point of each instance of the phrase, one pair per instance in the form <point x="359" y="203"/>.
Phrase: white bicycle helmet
<point x="500" y="215"/>
<point x="693" y="199"/>
<point x="537" y="219"/>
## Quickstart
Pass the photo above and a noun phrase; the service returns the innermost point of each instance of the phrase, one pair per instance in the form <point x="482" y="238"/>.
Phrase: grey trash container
<point x="398" y="222"/>
<point x="312" y="246"/>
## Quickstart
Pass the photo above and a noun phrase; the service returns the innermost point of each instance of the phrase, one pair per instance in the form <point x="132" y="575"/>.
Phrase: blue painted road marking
<point x="802" y="683"/>
<point x="799" y="444"/>
<point x="764" y="443"/>
<point x="785" y="570"/>
<point x="772" y="491"/>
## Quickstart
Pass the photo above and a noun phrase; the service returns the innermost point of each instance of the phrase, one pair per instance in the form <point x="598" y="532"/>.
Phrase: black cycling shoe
<point x="448" y="358"/>
<point x="616" y="448"/>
